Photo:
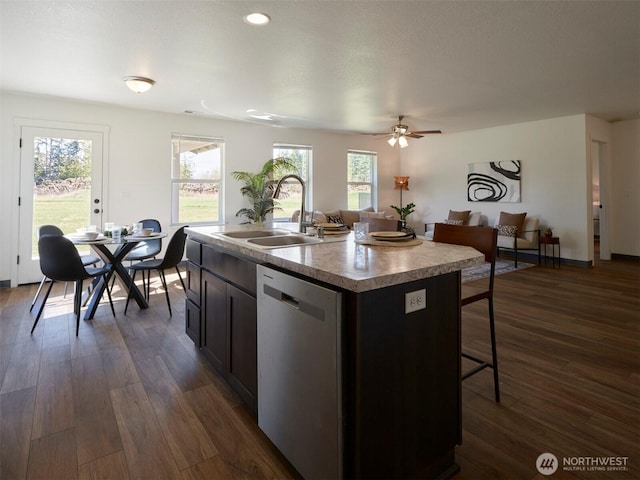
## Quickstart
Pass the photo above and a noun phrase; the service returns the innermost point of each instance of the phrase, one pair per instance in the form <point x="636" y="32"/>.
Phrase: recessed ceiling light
<point x="257" y="19"/>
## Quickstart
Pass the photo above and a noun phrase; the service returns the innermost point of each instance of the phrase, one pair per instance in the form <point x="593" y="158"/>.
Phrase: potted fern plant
<point x="259" y="188"/>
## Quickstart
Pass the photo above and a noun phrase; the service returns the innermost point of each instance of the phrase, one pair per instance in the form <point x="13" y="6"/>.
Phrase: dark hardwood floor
<point x="131" y="397"/>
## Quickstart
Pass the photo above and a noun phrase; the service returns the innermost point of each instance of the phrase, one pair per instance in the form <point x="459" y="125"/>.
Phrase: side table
<point x="553" y="241"/>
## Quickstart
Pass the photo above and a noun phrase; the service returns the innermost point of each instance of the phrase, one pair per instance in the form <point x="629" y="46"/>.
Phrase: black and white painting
<point x="494" y="181"/>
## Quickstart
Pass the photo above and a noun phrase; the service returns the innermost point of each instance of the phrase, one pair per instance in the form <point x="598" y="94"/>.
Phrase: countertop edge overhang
<point x="345" y="264"/>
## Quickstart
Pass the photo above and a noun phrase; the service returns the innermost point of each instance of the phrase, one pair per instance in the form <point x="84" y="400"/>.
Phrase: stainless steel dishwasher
<point x="299" y="371"/>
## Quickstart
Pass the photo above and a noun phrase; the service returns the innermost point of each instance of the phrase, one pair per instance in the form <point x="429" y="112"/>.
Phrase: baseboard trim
<point x="577" y="263"/>
<point x="622" y="256"/>
<point x="533" y="258"/>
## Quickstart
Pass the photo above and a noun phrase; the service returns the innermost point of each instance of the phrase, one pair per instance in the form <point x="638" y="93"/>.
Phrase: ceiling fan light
<point x="139" y="84"/>
<point x="402" y="141"/>
<point x="392" y="141"/>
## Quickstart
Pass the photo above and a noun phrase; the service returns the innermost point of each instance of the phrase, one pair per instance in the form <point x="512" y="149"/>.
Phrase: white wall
<point x="625" y="197"/>
<point x="555" y="155"/>
<point x="553" y="185"/>
<point x="138" y="166"/>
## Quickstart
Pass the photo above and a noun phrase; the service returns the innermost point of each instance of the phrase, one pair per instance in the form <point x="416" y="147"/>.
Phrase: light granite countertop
<point x="345" y="263"/>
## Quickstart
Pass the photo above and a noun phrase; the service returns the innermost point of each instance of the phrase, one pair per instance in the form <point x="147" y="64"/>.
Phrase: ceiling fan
<point x="400" y="132"/>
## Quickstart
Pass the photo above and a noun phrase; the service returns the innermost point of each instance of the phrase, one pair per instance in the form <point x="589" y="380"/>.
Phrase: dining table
<point x="113" y="252"/>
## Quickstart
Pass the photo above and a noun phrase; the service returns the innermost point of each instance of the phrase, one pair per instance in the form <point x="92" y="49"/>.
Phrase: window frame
<point x="373" y="175"/>
<point x="175" y="199"/>
<point x="277" y="147"/>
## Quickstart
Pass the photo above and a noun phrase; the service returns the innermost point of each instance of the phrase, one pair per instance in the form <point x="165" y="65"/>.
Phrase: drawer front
<point x="194" y="251"/>
<point x="237" y="271"/>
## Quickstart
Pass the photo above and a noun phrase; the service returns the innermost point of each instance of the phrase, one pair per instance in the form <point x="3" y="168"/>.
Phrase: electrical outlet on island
<point x="414" y="301"/>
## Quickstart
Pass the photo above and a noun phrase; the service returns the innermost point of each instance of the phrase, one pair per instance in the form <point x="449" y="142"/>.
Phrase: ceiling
<point x="350" y="66"/>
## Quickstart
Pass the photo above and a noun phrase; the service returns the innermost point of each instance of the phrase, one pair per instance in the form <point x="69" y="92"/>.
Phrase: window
<point x="196" y="177"/>
<point x="291" y="192"/>
<point x="361" y="179"/>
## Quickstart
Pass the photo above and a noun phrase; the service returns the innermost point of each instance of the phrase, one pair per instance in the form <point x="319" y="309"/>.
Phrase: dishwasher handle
<point x="294" y="302"/>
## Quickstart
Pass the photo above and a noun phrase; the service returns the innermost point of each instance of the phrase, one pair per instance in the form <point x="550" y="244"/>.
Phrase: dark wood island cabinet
<point x="221" y="320"/>
<point x="401" y="387"/>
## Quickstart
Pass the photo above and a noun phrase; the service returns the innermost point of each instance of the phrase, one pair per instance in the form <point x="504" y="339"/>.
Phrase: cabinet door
<point x="214" y="319"/>
<point x="193" y="282"/>
<point x="192" y="320"/>
<point x="242" y="367"/>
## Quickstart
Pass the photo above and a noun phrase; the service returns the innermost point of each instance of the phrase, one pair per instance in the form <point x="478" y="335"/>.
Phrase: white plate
<point x="138" y="237"/>
<point x="388" y="235"/>
<point x="86" y="241"/>
<point x="84" y="237"/>
<point x="81" y="237"/>
<point x="391" y="236"/>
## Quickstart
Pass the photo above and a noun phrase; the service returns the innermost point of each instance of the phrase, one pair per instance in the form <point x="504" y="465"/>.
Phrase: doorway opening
<point x="599" y="201"/>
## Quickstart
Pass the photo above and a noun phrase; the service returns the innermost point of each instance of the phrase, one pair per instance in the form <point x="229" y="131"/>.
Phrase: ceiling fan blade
<point x="412" y="135"/>
<point x="379" y="133"/>
<point x="426" y="132"/>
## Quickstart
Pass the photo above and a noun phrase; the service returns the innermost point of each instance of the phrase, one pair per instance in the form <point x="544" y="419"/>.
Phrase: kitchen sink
<point x="283" y="241"/>
<point x="255" y="233"/>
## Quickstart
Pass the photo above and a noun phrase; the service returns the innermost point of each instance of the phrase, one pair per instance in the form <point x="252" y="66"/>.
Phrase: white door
<point x="60" y="184"/>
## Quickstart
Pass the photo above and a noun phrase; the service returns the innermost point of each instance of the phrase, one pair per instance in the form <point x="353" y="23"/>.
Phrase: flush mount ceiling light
<point x="257" y="18"/>
<point x="139" y="84"/>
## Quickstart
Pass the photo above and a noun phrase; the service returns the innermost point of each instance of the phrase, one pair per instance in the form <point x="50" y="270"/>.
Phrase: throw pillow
<point x="319" y="217"/>
<point x="462" y="215"/>
<point x="334" y="219"/>
<point x="516" y="219"/>
<point x="453" y="222"/>
<point x="506" y="230"/>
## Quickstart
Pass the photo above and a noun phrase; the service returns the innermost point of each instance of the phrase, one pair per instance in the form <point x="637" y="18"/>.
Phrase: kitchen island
<point x="398" y="371"/>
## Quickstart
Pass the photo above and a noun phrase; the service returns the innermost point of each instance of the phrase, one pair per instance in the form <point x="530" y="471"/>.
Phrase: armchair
<point x="517" y="239"/>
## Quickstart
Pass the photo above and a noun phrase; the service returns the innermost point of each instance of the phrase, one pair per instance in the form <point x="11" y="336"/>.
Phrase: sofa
<point x="346" y="217"/>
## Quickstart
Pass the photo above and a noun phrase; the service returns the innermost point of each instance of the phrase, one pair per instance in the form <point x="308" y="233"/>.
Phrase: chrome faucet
<point x="276" y="194"/>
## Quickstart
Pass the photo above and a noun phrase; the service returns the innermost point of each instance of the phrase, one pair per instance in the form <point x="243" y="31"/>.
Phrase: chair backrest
<point x="60" y="260"/>
<point x="529" y="229"/>
<point x="483" y="239"/>
<point x="49" y="230"/>
<point x="382" y="224"/>
<point x="175" y="249"/>
<point x="152" y="247"/>
<point x="476" y="219"/>
<point x="151" y="223"/>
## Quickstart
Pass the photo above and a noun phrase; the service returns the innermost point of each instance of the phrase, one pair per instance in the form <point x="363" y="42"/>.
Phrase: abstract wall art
<point x="494" y="182"/>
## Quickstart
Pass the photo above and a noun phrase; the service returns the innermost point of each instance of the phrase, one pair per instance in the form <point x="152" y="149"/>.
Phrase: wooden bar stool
<point x="483" y="239"/>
